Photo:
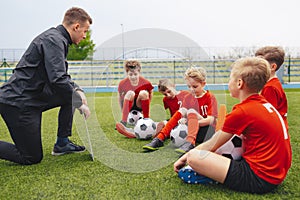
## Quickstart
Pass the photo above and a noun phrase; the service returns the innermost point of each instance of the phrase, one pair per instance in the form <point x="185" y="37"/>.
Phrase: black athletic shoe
<point x="186" y="147"/>
<point x="70" y="147"/>
<point x="154" y="145"/>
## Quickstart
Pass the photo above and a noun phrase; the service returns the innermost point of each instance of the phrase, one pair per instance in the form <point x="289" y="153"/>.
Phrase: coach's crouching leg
<point x="9" y="152"/>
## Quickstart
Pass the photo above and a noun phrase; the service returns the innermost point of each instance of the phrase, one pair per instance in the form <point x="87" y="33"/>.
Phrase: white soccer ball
<point x="145" y="129"/>
<point x="233" y="148"/>
<point x="178" y="135"/>
<point x="133" y="117"/>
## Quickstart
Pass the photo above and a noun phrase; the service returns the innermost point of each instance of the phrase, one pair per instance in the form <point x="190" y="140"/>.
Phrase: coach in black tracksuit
<point x="40" y="82"/>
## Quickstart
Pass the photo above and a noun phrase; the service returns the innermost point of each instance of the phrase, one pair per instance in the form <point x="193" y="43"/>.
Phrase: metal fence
<point x="109" y="73"/>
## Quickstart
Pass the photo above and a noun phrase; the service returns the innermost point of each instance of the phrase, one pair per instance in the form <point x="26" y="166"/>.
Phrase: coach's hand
<point x="83" y="97"/>
<point x="84" y="109"/>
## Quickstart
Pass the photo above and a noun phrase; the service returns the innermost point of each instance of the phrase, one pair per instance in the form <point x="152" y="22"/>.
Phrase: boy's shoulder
<point x="273" y="84"/>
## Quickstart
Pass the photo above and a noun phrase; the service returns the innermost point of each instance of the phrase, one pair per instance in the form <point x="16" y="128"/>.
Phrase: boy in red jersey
<point x="172" y="100"/>
<point x="273" y="90"/>
<point x="200" y="110"/>
<point x="267" y="157"/>
<point x="135" y="93"/>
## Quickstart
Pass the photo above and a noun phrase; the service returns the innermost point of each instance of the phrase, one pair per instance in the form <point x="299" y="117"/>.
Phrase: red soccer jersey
<point x="274" y="94"/>
<point x="125" y="86"/>
<point x="174" y="104"/>
<point x="205" y="105"/>
<point x="266" y="140"/>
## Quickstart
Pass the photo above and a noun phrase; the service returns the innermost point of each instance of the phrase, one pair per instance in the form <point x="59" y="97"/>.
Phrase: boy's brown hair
<point x="164" y="84"/>
<point x="273" y="54"/>
<point x="254" y="71"/>
<point x="131" y="65"/>
<point x="74" y="15"/>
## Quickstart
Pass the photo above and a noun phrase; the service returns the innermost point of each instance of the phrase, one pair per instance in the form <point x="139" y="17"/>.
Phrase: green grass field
<point x="121" y="169"/>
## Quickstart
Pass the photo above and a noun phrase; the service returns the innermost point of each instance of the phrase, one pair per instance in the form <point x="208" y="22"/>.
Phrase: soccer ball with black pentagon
<point x="133" y="117"/>
<point x="233" y="148"/>
<point x="145" y="129"/>
<point x="178" y="135"/>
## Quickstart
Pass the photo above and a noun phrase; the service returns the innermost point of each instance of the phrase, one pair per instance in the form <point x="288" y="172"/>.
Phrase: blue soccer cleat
<point x="188" y="175"/>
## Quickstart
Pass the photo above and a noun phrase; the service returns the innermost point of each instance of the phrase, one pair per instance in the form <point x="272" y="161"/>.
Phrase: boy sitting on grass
<point x="134" y="93"/>
<point x="267" y="157"/>
<point x="172" y="100"/>
<point x="273" y="91"/>
<point x="200" y="110"/>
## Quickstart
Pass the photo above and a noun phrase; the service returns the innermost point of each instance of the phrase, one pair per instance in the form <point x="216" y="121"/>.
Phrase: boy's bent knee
<point x="196" y="156"/>
<point x="183" y="111"/>
<point x="191" y="111"/>
<point x="129" y="95"/>
<point x="144" y="94"/>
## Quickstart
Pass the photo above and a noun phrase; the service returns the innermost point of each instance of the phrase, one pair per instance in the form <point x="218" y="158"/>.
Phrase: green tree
<point x="84" y="50"/>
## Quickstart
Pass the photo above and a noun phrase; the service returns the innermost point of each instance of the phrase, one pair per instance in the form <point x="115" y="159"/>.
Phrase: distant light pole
<point x="123" y="41"/>
<point x="174" y="68"/>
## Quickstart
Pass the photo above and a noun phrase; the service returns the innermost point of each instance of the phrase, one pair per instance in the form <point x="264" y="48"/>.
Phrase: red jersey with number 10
<point x="205" y="105"/>
<point x="266" y="140"/>
<point x="174" y="104"/>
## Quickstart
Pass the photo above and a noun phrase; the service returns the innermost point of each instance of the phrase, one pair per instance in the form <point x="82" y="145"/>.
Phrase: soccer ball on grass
<point x="133" y="117"/>
<point x="178" y="135"/>
<point x="233" y="148"/>
<point x="145" y="129"/>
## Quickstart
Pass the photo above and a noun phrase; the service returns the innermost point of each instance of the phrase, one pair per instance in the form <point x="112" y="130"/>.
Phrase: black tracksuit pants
<point x="24" y="125"/>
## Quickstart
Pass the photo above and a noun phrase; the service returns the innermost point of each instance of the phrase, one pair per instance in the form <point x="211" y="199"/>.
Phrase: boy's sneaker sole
<point x="147" y="148"/>
<point x="154" y="145"/>
<point x="188" y="175"/>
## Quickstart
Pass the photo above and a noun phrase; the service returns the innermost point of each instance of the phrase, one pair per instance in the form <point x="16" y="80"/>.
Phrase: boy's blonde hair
<point x="196" y="73"/>
<point x="131" y="65"/>
<point x="164" y="84"/>
<point x="254" y="71"/>
<point x="273" y="54"/>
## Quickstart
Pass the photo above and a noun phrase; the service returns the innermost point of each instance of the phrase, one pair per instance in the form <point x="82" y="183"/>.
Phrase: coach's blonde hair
<point x="254" y="71"/>
<point x="196" y="73"/>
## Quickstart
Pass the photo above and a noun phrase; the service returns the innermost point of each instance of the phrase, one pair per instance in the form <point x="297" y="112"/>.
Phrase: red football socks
<point x="126" y="108"/>
<point x="165" y="132"/>
<point x="145" y="107"/>
<point x="193" y="127"/>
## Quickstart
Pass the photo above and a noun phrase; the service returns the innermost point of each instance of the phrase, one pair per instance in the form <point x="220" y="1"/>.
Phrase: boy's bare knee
<point x="129" y="95"/>
<point x="196" y="157"/>
<point x="191" y="111"/>
<point x="183" y="111"/>
<point x="144" y="94"/>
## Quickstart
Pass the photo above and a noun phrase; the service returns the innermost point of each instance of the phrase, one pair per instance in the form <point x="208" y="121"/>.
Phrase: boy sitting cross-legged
<point x="267" y="157"/>
<point x="172" y="100"/>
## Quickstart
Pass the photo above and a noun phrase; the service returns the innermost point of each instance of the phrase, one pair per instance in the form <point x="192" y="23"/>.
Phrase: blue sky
<point x="213" y="23"/>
